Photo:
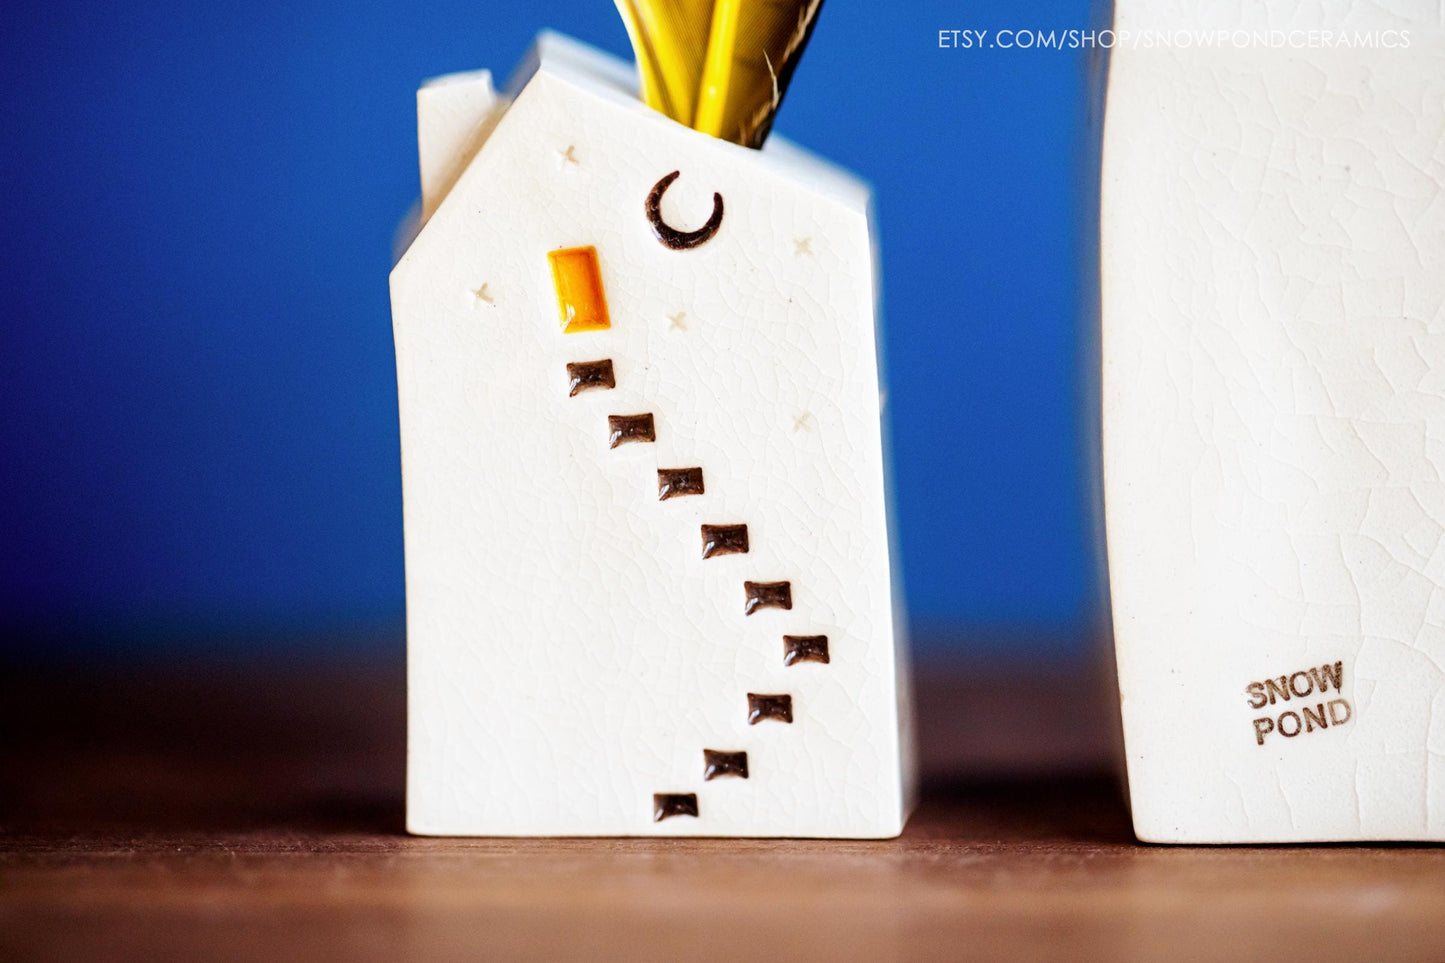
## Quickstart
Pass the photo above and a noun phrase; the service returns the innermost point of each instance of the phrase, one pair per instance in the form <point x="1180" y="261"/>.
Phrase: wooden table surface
<point x="234" y="810"/>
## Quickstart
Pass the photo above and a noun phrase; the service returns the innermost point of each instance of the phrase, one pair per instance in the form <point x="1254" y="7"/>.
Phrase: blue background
<point x="199" y="429"/>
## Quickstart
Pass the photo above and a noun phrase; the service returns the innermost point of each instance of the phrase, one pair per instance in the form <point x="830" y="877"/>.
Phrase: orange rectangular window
<point x="580" y="302"/>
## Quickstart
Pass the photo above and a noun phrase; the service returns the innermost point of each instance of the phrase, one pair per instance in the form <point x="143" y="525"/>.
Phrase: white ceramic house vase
<point x="649" y="580"/>
<point x="1273" y="322"/>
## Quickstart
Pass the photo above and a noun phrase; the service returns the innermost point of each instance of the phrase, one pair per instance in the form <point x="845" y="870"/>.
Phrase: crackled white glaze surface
<point x="1273" y="293"/>
<point x="452" y="115"/>
<point x="570" y="651"/>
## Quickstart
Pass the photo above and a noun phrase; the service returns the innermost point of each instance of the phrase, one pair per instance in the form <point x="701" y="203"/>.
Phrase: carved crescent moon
<point x="671" y="236"/>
